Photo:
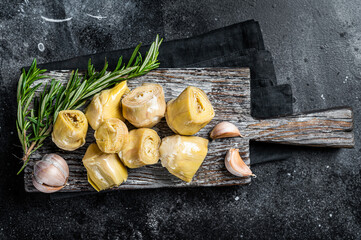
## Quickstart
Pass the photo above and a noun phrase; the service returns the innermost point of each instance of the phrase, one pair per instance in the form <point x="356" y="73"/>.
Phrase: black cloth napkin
<point x="238" y="45"/>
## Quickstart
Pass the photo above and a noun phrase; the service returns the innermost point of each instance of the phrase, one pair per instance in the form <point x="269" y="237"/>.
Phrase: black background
<point x="316" y="47"/>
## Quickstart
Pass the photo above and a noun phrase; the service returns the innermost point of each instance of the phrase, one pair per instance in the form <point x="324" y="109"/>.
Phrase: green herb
<point x="35" y="125"/>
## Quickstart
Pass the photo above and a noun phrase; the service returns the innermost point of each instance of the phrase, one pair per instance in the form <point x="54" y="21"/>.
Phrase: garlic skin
<point x="235" y="164"/>
<point x="50" y="174"/>
<point x="225" y="130"/>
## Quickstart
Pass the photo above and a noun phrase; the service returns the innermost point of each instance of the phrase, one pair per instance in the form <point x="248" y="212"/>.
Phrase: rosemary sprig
<point x="77" y="91"/>
<point x="35" y="125"/>
<point x="35" y="120"/>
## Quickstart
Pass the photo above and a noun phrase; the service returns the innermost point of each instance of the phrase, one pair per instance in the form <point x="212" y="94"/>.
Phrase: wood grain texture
<point x="328" y="128"/>
<point x="229" y="91"/>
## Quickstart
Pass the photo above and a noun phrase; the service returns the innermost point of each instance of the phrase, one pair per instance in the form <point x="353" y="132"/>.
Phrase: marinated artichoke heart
<point x="111" y="135"/>
<point x="69" y="130"/>
<point x="106" y="104"/>
<point x="144" y="106"/>
<point x="183" y="155"/>
<point x="142" y="148"/>
<point x="189" y="112"/>
<point x="104" y="170"/>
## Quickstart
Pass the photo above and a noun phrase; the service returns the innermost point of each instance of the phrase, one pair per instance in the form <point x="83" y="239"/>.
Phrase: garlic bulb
<point x="70" y="130"/>
<point x="50" y="174"/>
<point x="106" y="104"/>
<point x="225" y="130"/>
<point x="111" y="135"/>
<point x="235" y="164"/>
<point x="189" y="112"/>
<point x="144" y="106"/>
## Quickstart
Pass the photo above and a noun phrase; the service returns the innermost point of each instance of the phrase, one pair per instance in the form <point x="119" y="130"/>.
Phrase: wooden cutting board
<point x="229" y="91"/>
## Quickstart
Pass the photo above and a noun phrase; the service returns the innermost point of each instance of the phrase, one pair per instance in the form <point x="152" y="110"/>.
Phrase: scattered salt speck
<point x="330" y="214"/>
<point x="346" y="78"/>
<point x="327" y="166"/>
<point x="56" y="20"/>
<point x="97" y="17"/>
<point x="236" y="198"/>
<point x="319" y="225"/>
<point x="322" y="97"/>
<point x="41" y="47"/>
<point x="288" y="174"/>
<point x="294" y="171"/>
<point x="11" y="132"/>
<point x="308" y="200"/>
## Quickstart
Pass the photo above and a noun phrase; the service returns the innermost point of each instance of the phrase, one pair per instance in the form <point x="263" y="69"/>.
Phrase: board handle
<point x="328" y="128"/>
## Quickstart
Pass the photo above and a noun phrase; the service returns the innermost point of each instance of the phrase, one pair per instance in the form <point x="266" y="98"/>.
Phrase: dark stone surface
<point x="315" y="194"/>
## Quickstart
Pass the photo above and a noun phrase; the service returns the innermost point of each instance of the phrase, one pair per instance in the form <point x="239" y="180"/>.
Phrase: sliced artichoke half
<point x="144" y="106"/>
<point x="111" y="135"/>
<point x="183" y="155"/>
<point x="104" y="170"/>
<point x="189" y="112"/>
<point x="69" y="130"/>
<point x="142" y="148"/>
<point x="106" y="104"/>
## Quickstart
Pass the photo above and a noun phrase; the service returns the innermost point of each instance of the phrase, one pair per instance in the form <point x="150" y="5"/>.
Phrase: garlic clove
<point x="44" y="169"/>
<point x="235" y="164"/>
<point x="225" y="130"/>
<point x="45" y="188"/>
<point x="50" y="174"/>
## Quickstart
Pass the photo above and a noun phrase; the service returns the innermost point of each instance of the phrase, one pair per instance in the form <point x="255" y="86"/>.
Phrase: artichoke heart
<point x="144" y="106"/>
<point x="189" y="112"/>
<point x="106" y="104"/>
<point x="183" y="155"/>
<point x="111" y="135"/>
<point x="70" y="130"/>
<point x="104" y="170"/>
<point x="141" y="149"/>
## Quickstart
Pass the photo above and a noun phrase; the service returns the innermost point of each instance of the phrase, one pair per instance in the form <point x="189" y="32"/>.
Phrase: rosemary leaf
<point x="35" y="125"/>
